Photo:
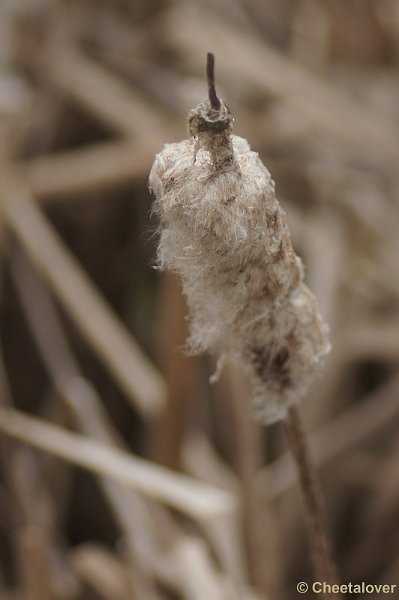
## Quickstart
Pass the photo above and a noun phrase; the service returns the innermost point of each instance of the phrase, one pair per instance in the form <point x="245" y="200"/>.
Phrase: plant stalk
<point x="324" y="565"/>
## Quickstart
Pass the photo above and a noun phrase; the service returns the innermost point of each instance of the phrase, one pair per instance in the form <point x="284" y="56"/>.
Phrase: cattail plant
<point x="223" y="230"/>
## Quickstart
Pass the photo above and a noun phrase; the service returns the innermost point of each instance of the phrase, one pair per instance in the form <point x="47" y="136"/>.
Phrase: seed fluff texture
<point x="223" y="230"/>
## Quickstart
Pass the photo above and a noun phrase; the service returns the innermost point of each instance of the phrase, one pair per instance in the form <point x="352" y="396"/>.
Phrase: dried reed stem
<point x="319" y="539"/>
<point x="102" y="329"/>
<point x="337" y="437"/>
<point x="223" y="230"/>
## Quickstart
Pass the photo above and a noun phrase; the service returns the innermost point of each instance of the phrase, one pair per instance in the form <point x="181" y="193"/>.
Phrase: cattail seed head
<point x="223" y="230"/>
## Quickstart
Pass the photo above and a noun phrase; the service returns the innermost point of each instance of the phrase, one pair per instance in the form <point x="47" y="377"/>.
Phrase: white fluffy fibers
<point x="223" y="230"/>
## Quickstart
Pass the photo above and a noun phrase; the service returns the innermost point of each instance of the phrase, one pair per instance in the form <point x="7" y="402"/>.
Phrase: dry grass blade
<point x="96" y="167"/>
<point x="100" y="326"/>
<point x="193" y="498"/>
<point x="198" y="576"/>
<point x="22" y="474"/>
<point x="34" y="555"/>
<point x="101" y="93"/>
<point x="102" y="570"/>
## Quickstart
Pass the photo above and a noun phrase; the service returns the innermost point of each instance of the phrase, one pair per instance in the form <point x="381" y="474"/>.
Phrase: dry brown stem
<point x="103" y="330"/>
<point x="34" y="556"/>
<point x="336" y="437"/>
<point x="169" y="429"/>
<point x="320" y="546"/>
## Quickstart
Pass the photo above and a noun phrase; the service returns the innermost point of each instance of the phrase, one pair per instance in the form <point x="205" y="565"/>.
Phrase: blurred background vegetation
<point x="92" y="336"/>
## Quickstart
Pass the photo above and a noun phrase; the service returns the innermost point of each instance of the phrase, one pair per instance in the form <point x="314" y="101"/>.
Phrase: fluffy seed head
<point x="223" y="230"/>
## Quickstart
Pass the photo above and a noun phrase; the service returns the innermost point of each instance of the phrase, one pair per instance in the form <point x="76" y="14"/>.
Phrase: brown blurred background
<point x="92" y="336"/>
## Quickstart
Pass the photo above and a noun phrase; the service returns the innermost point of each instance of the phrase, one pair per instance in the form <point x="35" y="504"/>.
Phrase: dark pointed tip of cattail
<point x="210" y="75"/>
